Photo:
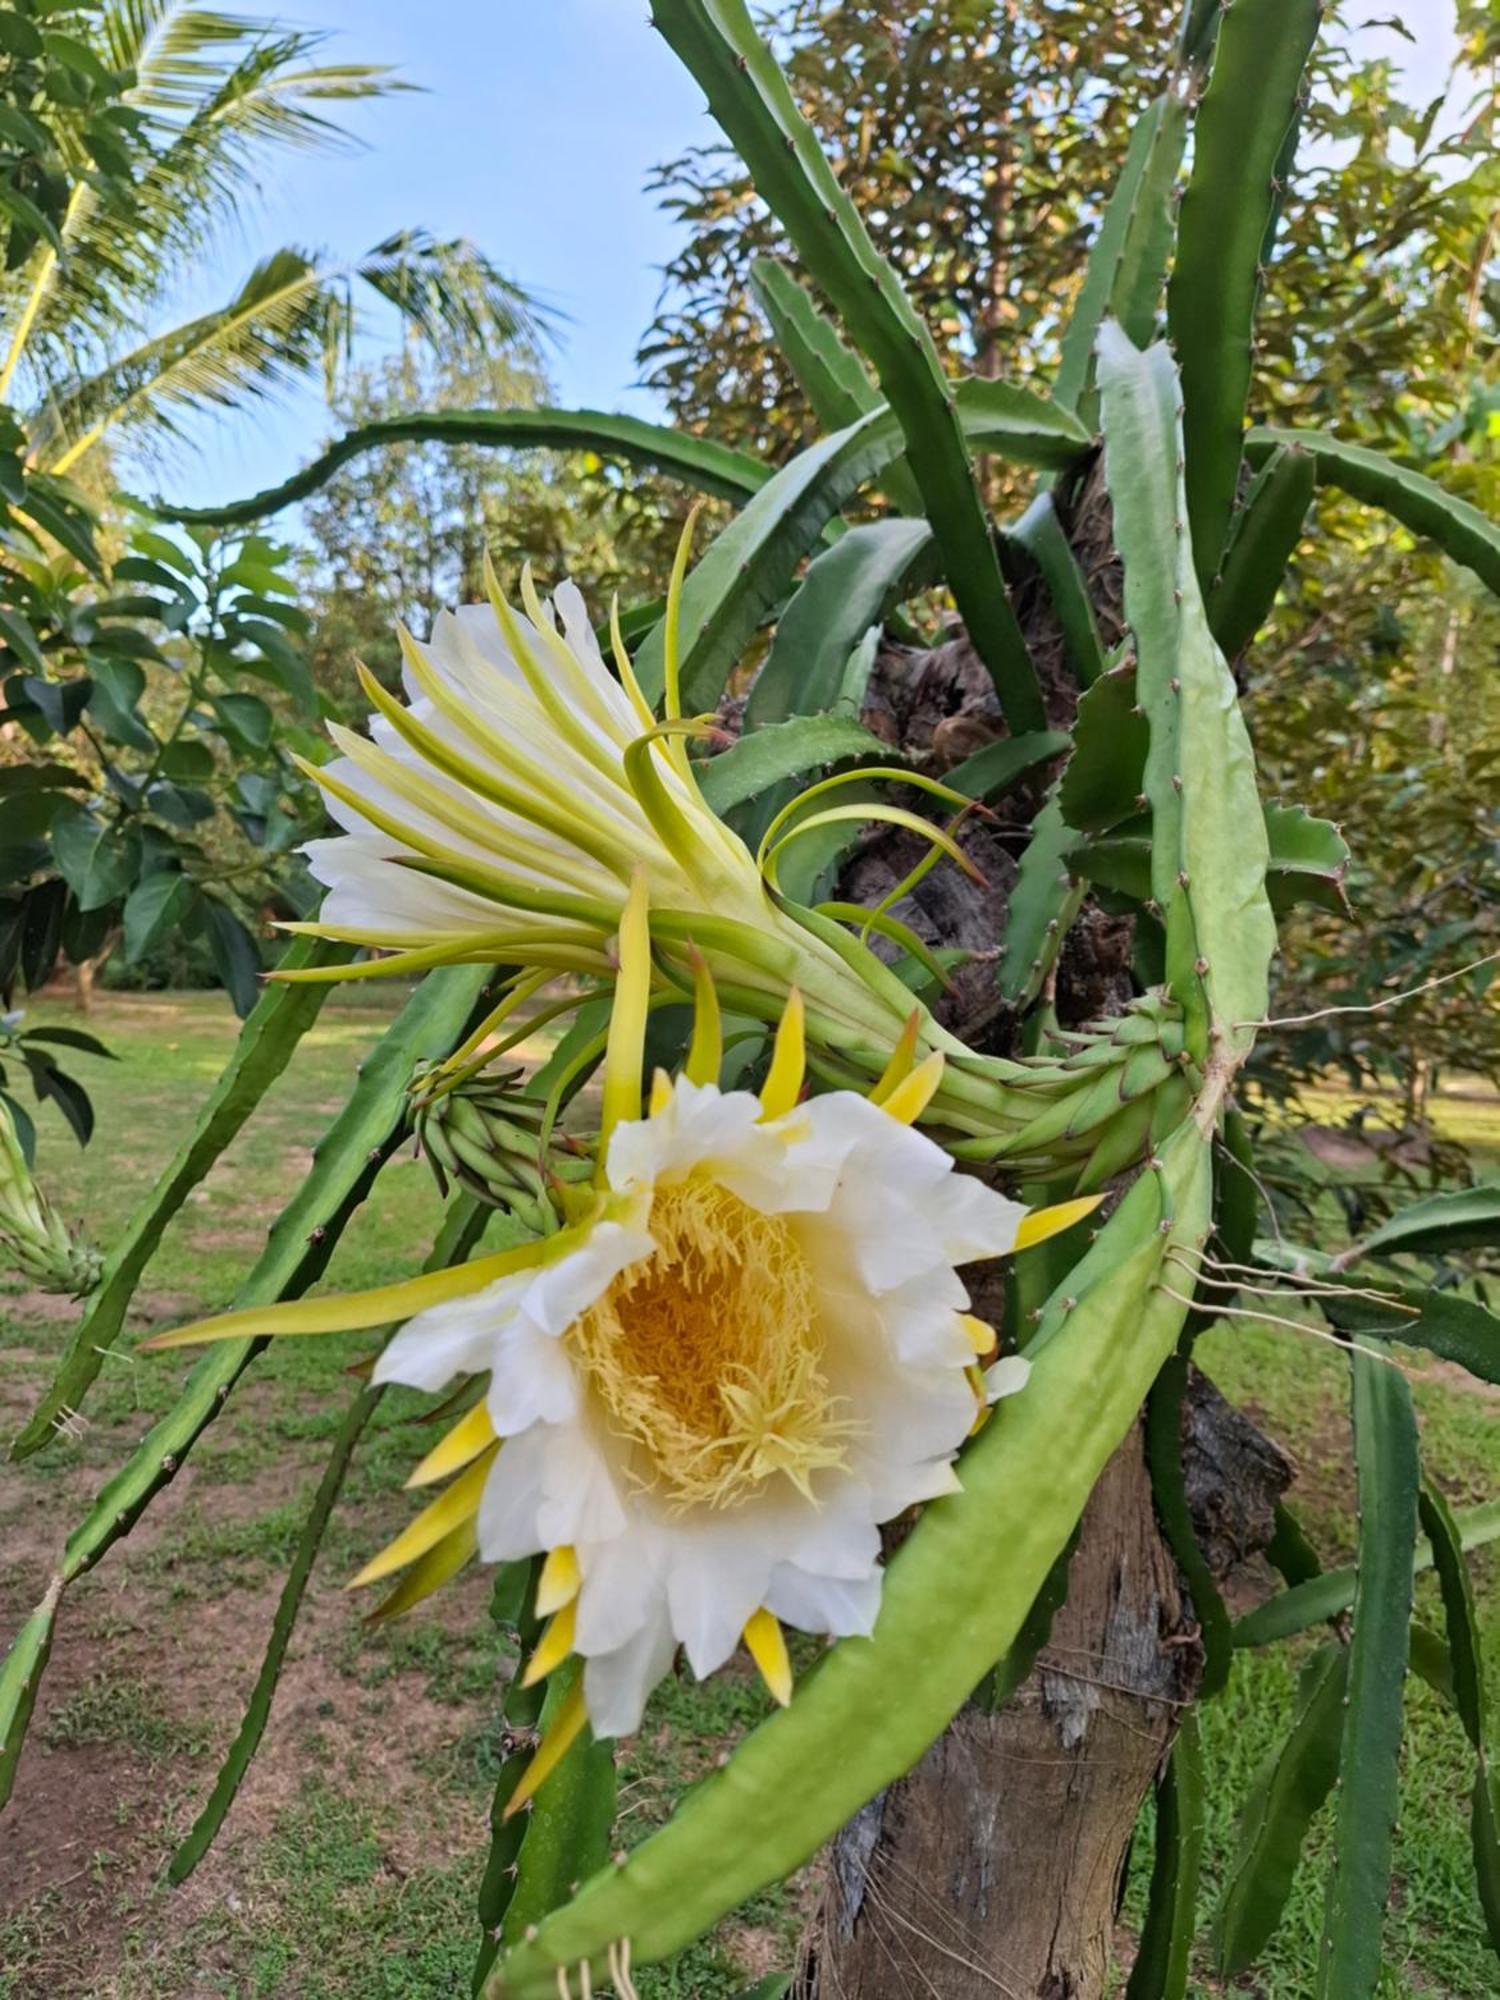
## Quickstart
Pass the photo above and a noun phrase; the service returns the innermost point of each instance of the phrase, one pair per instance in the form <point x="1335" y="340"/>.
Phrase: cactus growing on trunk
<point x="1136" y="783"/>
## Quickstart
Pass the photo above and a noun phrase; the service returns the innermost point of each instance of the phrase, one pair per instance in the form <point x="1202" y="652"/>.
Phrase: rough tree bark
<point x="996" y="1866"/>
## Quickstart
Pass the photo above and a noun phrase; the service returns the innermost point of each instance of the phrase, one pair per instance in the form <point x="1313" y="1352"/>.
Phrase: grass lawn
<point x="349" y="1864"/>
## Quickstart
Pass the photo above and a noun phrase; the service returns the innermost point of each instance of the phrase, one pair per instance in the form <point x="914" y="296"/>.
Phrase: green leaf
<point x="60" y="703"/>
<point x="1326" y="1595"/>
<point x="244" y="719"/>
<point x="1385" y="1458"/>
<point x="1284" y="1797"/>
<point x="1209" y="850"/>
<point x="55" y="1086"/>
<point x="142" y="569"/>
<point x="72" y="1038"/>
<point x="711" y="468"/>
<point x="784" y="750"/>
<point x="57" y="513"/>
<point x="1460" y="530"/>
<point x="117" y="686"/>
<point x="462" y="1227"/>
<point x="1238" y="135"/>
<point x="236" y="955"/>
<point x="1169" y="1492"/>
<point x="1163" y="1958"/>
<point x="751" y="101"/>
<point x="22" y="641"/>
<point x="185" y="761"/>
<point x="1127" y="264"/>
<point x="1457" y="1219"/>
<point x="157" y="904"/>
<point x="267" y="1040"/>
<point x="93" y="858"/>
<point x="1111" y="739"/>
<point x="1265" y="532"/>
<point x="288" y="664"/>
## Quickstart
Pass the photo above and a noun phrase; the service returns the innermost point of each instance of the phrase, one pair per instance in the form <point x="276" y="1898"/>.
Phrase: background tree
<point x="411" y="541"/>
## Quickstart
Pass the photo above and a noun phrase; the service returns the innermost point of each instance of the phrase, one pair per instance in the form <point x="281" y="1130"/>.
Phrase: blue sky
<point x="538" y="126"/>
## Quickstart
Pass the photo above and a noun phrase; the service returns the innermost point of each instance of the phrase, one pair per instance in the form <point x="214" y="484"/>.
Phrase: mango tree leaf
<point x="93" y="857"/>
<point x="236" y="955"/>
<point x="158" y="903"/>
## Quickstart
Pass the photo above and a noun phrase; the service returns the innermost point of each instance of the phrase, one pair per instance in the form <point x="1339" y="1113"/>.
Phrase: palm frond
<point x="292" y="316"/>
<point x="219" y="93"/>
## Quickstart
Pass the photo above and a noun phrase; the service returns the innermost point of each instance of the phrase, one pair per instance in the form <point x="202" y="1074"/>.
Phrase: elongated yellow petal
<point x="1040" y="1223"/>
<point x="903" y="1059"/>
<point x="452" y="1453"/>
<point x="766" y="1643"/>
<point x="378" y="1307"/>
<point x="661" y="1093"/>
<point x="705" y="1056"/>
<point x="914" y="1093"/>
<point x="458" y="1502"/>
<point x="979" y="1332"/>
<point x="567" y="1727"/>
<point x="893" y="773"/>
<point x="570" y="831"/>
<point x="430" y="1572"/>
<point x="625" y="1050"/>
<point x="783" y="1084"/>
<point x="559" y="1581"/>
<point x="857" y="815"/>
<point x="625" y="669"/>
<point x="672" y="627"/>
<point x="553" y="1647"/>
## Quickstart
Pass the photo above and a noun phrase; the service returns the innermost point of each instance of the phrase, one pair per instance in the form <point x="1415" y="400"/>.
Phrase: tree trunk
<point x="996" y="1866"/>
<point x="87" y="970"/>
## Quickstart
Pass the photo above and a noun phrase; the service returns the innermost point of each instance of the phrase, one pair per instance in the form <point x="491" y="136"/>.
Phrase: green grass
<point x="350" y="1863"/>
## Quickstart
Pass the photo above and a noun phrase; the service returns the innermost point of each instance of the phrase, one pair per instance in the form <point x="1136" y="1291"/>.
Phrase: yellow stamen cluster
<point x="708" y="1356"/>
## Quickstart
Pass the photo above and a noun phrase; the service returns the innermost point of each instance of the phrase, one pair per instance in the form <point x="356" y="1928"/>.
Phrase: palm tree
<point x="216" y="94"/>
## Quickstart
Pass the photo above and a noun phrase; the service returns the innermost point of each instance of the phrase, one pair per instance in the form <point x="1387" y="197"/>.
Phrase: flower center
<point x="708" y="1355"/>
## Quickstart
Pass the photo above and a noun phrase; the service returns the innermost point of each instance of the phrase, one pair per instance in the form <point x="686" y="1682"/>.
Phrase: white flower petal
<point x="1006" y="1377"/>
<point x="513" y="1496"/>
<point x="715" y="1583"/>
<point x="532" y="1380"/>
<point x="559" y="1292"/>
<point x="616" y="1685"/>
<point x="455" y="1338"/>
<point x="843" y="1607"/>
<point x="581" y="1502"/>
